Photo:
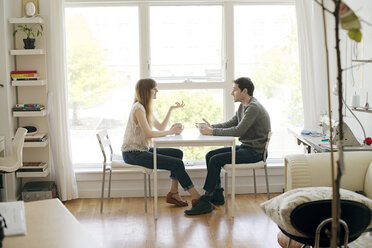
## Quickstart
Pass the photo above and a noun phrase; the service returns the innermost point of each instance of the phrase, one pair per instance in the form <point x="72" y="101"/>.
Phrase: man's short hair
<point x="245" y="83"/>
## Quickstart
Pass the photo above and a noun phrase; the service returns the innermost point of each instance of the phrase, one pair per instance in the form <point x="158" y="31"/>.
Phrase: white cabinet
<point x="32" y="91"/>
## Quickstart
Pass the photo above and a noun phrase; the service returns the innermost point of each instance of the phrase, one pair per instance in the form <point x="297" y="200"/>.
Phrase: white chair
<point x="13" y="162"/>
<point x="109" y="165"/>
<point x="251" y="166"/>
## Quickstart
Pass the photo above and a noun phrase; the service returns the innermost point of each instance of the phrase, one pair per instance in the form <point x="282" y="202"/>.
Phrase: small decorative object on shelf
<point x="368" y="141"/>
<point x="30" y="7"/>
<point x="366" y="106"/>
<point x="34" y="31"/>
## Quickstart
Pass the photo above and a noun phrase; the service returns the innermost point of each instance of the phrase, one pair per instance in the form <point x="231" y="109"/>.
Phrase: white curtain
<point x="58" y="105"/>
<point x="312" y="61"/>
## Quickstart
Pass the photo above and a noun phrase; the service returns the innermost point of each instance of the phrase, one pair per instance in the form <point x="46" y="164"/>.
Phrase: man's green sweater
<point x="251" y="124"/>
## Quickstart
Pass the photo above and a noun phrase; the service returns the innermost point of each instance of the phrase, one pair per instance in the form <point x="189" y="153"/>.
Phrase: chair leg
<point x="226" y="195"/>
<point x="145" y="189"/>
<point x="109" y="188"/>
<point x="103" y="187"/>
<point x="267" y="184"/>
<point x="254" y="181"/>
<point x="149" y="178"/>
<point x="289" y="243"/>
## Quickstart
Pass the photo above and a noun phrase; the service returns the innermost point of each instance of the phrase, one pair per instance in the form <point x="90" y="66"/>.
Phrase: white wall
<point x="7" y="92"/>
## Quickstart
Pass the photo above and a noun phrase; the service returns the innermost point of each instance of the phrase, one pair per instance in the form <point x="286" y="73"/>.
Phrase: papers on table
<point x="14" y="215"/>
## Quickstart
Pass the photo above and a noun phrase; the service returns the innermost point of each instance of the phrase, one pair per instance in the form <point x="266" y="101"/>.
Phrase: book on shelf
<point x="25" y="71"/>
<point x="33" y="167"/>
<point x="25" y="78"/>
<point x="36" y="138"/>
<point x="18" y="105"/>
<point x="24" y="75"/>
<point x="29" y="107"/>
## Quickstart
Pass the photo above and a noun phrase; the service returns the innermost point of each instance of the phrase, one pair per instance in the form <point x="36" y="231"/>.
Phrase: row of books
<point x="38" y="137"/>
<point x="24" y="75"/>
<point x="28" y="107"/>
<point x="33" y="167"/>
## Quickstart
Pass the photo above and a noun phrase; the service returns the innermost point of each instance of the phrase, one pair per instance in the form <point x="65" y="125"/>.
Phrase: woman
<point x="139" y="131"/>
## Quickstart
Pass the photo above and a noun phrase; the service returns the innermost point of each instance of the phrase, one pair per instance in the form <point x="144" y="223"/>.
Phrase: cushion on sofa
<point x="279" y="208"/>
<point x="314" y="170"/>
<point x="368" y="182"/>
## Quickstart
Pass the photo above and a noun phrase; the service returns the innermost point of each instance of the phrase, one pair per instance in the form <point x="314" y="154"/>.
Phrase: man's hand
<point x="206" y="130"/>
<point x="206" y="122"/>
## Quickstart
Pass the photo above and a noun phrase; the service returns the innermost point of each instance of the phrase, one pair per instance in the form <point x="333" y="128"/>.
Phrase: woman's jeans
<point x="167" y="159"/>
<point x="217" y="158"/>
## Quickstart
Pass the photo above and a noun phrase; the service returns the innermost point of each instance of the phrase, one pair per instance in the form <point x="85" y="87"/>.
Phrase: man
<point x="251" y="124"/>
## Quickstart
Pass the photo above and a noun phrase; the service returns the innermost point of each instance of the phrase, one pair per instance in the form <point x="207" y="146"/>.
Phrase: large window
<point x="265" y="43"/>
<point x="184" y="48"/>
<point x="186" y="43"/>
<point x="102" y="65"/>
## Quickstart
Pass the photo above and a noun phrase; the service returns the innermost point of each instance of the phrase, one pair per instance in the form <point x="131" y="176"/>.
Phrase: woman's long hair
<point x="143" y="96"/>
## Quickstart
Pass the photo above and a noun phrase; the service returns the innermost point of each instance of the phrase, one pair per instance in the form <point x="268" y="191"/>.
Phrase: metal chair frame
<point x="249" y="166"/>
<point x="109" y="165"/>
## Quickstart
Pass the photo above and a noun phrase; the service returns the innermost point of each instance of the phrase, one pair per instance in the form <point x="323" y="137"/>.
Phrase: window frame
<point x="227" y="43"/>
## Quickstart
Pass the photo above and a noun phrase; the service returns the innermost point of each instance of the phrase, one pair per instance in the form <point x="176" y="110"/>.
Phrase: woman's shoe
<point x="172" y="200"/>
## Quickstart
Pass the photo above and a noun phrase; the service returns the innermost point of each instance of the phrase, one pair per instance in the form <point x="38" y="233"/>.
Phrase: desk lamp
<point x="335" y="92"/>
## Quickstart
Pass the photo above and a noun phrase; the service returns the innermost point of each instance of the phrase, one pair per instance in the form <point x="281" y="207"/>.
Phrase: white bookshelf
<point x="40" y="113"/>
<point x="25" y="20"/>
<point x="37" y="144"/>
<point x="29" y="82"/>
<point x="27" y="60"/>
<point x="27" y="52"/>
<point x="34" y="174"/>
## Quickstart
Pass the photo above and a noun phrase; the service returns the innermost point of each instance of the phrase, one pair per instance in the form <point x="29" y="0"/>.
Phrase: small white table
<point x="192" y="138"/>
<point x="50" y="224"/>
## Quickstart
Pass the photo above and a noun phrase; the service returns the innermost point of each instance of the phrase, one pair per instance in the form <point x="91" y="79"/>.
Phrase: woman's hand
<point x="177" y="105"/>
<point x="176" y="128"/>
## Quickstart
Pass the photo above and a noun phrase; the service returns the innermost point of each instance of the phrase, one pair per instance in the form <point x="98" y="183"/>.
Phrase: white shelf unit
<point x="40" y="113"/>
<point x="33" y="174"/>
<point x="363" y="110"/>
<point x="28" y="52"/>
<point x="29" y="82"/>
<point x="32" y="59"/>
<point x="36" y="144"/>
<point x="25" y="20"/>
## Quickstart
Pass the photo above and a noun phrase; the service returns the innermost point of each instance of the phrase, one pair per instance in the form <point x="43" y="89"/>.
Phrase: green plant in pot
<point x="31" y="33"/>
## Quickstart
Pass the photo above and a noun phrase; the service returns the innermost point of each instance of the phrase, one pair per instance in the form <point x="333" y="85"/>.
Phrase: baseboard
<point x="130" y="184"/>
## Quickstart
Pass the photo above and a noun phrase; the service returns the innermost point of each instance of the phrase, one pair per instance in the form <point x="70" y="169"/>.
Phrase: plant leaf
<point x="355" y="35"/>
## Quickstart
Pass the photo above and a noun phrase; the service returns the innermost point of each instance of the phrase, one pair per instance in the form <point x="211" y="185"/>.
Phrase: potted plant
<point x="31" y="33"/>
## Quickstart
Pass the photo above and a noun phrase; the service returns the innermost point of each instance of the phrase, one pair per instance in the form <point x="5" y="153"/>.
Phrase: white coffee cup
<point x="201" y="124"/>
<point x="180" y="125"/>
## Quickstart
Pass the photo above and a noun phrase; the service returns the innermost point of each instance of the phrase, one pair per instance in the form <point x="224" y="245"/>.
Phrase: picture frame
<point x="35" y="2"/>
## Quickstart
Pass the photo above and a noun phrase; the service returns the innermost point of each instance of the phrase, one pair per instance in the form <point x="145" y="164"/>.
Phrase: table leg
<point x="155" y="185"/>
<point x="233" y="181"/>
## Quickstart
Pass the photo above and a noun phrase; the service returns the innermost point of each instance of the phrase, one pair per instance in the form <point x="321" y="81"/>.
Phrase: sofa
<point x="313" y="170"/>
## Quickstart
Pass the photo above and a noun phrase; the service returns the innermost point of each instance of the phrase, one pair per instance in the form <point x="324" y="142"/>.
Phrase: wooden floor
<point x="124" y="223"/>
